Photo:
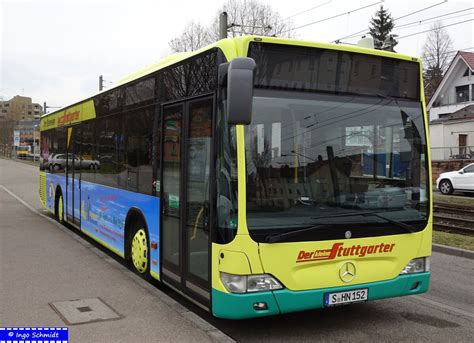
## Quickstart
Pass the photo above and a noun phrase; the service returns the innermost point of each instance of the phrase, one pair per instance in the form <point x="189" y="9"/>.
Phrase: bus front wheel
<point x="139" y="250"/>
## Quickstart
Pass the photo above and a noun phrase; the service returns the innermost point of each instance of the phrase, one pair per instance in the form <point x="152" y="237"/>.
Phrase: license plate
<point x="347" y="297"/>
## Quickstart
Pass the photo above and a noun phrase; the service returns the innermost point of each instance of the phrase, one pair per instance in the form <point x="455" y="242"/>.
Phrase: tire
<point x="59" y="208"/>
<point x="139" y="250"/>
<point x="446" y="187"/>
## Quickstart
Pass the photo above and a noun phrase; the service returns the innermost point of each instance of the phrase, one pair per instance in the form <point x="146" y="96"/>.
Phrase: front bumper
<point x="240" y="306"/>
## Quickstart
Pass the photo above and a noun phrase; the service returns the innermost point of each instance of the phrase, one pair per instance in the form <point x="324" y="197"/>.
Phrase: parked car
<point x="58" y="162"/>
<point x="460" y="180"/>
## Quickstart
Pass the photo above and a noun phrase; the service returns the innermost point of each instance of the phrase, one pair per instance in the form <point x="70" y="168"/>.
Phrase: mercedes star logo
<point x="347" y="272"/>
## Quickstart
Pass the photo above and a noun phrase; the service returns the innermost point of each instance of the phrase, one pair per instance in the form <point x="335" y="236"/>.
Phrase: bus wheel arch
<point x="137" y="243"/>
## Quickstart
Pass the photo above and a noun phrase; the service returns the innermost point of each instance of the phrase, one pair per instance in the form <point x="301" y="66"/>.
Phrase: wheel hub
<point x="140" y="251"/>
<point x="60" y="208"/>
<point x="445" y="187"/>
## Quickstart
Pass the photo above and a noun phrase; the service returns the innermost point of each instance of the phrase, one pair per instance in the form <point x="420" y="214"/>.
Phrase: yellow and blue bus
<point x="256" y="176"/>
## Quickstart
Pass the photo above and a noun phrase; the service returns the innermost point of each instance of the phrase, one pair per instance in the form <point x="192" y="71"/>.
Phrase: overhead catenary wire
<point x="309" y="9"/>
<point x="414" y="23"/>
<point x="398" y="18"/>
<point x="447" y="53"/>
<point x="421" y="10"/>
<point x="440" y="27"/>
<point x="437" y="17"/>
<point x="332" y="17"/>
<point x="417" y="24"/>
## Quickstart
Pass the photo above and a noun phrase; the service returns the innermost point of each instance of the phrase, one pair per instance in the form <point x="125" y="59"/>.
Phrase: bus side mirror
<point x="240" y="76"/>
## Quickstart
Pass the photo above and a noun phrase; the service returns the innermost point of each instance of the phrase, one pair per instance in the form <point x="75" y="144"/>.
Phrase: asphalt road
<point x="445" y="313"/>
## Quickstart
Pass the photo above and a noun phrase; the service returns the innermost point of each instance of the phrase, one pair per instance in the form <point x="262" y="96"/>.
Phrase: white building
<point x="451" y="111"/>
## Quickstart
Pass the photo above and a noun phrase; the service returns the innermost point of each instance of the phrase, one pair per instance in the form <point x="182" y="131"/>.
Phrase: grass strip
<point x="439" y="199"/>
<point x="453" y="240"/>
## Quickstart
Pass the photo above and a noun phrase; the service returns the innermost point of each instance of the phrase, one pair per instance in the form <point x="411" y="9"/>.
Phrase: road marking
<point x="31" y="208"/>
<point x="444" y="306"/>
<point x="213" y="332"/>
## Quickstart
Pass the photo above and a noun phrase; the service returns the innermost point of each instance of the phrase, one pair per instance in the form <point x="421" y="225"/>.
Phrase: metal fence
<point x="452" y="153"/>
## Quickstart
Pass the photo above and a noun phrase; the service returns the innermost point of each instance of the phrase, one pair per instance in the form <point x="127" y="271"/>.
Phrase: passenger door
<point x="186" y="156"/>
<point x="73" y="175"/>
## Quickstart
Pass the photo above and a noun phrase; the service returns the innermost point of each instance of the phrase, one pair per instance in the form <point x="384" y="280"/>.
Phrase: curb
<point x="214" y="334"/>
<point x="444" y="249"/>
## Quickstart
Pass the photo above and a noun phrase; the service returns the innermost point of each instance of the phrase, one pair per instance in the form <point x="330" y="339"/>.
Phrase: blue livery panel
<point x="103" y="211"/>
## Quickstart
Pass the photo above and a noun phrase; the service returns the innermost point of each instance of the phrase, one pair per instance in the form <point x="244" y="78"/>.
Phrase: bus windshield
<point x="334" y="162"/>
<point x="336" y="147"/>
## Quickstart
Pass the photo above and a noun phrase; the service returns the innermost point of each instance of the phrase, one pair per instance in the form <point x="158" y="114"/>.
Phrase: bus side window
<point x="106" y="142"/>
<point x="137" y="150"/>
<point x="88" y="152"/>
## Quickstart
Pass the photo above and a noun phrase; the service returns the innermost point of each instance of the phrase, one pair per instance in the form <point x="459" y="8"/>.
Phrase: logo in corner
<point x="347" y="272"/>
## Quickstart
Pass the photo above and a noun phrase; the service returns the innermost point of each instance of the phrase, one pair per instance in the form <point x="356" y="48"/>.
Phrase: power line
<point x="334" y="16"/>
<point x="423" y="9"/>
<point x="447" y="53"/>
<point x="428" y="21"/>
<point x="403" y="16"/>
<point x="441" y="27"/>
<point x="437" y="17"/>
<point x="309" y="9"/>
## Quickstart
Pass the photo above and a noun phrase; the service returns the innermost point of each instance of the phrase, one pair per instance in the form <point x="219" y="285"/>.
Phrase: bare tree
<point x="6" y="137"/>
<point x="194" y="37"/>
<point x="250" y="17"/>
<point x="245" y="17"/>
<point x="436" y="58"/>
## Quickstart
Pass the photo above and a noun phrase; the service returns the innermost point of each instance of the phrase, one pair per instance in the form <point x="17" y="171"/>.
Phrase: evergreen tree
<point x="380" y="27"/>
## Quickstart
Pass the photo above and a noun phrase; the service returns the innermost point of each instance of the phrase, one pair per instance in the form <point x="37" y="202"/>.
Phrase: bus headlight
<point x="417" y="265"/>
<point x="249" y="283"/>
<point x="263" y="282"/>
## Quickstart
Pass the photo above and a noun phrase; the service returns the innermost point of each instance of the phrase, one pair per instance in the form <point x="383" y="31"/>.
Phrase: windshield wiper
<point x="278" y="237"/>
<point x="405" y="226"/>
<point x="361" y="213"/>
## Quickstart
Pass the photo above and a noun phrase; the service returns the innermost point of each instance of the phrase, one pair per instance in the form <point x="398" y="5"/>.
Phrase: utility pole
<point x="223" y="26"/>
<point x="45" y="107"/>
<point x="101" y="83"/>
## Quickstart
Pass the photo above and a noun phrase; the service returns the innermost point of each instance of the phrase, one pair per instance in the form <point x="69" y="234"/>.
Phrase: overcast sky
<point x="54" y="51"/>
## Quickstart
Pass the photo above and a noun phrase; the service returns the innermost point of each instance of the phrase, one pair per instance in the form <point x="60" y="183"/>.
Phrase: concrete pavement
<point x="444" y="314"/>
<point x="42" y="262"/>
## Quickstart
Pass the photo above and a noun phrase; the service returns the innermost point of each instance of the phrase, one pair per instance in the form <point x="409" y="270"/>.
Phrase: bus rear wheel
<point x="139" y="251"/>
<point x="60" y="208"/>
